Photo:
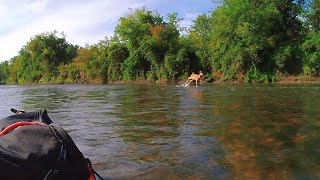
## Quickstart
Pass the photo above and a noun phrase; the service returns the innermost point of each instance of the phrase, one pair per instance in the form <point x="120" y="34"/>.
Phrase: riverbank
<point x="298" y="80"/>
<point x="283" y="79"/>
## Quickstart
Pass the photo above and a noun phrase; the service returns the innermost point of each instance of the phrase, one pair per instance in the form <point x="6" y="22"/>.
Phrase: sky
<point x="82" y="21"/>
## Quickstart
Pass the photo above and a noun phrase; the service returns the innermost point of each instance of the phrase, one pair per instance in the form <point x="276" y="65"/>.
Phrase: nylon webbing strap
<point x="61" y="139"/>
<point x="19" y="124"/>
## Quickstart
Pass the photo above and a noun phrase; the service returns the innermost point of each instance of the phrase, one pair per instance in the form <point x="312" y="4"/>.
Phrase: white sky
<point x="83" y="21"/>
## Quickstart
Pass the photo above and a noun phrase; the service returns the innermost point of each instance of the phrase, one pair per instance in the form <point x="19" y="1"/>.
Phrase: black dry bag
<point x="34" y="148"/>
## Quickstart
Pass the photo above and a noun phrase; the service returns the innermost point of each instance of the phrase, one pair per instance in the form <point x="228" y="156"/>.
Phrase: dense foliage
<point x="252" y="41"/>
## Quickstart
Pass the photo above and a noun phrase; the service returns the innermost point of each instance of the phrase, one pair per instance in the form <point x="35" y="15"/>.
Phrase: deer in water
<point x="195" y="77"/>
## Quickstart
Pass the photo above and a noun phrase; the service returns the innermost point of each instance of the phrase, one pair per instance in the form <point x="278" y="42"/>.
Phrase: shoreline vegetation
<point x="239" y="42"/>
<point x="281" y="80"/>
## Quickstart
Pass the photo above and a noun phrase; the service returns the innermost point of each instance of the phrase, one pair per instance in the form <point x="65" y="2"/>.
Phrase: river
<point x="173" y="132"/>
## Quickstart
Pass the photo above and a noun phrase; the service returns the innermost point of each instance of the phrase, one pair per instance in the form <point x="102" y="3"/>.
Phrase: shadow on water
<point x="169" y="132"/>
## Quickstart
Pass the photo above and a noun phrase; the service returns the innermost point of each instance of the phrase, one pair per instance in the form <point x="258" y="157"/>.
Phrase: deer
<point x="195" y="77"/>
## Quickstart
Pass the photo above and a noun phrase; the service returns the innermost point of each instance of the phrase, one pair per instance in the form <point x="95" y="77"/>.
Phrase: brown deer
<point x="195" y="77"/>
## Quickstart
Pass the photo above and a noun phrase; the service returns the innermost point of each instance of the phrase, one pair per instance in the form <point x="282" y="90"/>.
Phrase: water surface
<point x="172" y="132"/>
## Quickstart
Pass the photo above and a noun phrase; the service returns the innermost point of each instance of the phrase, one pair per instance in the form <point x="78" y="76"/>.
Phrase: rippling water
<point x="171" y="132"/>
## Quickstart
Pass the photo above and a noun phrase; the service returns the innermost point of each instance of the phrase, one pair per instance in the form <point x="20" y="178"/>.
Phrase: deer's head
<point x="200" y="73"/>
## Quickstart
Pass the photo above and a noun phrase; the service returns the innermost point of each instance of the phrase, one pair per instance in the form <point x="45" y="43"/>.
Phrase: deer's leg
<point x="190" y="81"/>
<point x="187" y="81"/>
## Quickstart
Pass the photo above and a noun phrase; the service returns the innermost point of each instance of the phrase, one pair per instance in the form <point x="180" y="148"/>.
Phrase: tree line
<point x="242" y="40"/>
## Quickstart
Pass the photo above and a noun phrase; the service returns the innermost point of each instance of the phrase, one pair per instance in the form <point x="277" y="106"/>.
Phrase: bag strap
<point x="62" y="136"/>
<point x="61" y="139"/>
<point x="19" y="124"/>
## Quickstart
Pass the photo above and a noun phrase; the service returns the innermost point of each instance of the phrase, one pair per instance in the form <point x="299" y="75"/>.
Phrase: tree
<point x="133" y="30"/>
<point x="4" y="72"/>
<point x="256" y="38"/>
<point x="42" y="55"/>
<point x="77" y="70"/>
<point x="152" y="43"/>
<point x="200" y="35"/>
<point x="14" y="65"/>
<point x="117" y="54"/>
<point x="311" y="44"/>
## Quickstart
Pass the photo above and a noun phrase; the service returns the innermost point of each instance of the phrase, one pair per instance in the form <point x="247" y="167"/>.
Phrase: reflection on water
<point x="168" y="132"/>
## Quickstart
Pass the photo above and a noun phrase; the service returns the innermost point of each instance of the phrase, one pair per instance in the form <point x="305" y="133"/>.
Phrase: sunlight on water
<point x="174" y="132"/>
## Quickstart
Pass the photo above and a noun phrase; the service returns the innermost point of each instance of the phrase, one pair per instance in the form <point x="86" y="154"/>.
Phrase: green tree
<point x="133" y="30"/>
<point x="311" y="50"/>
<point x="42" y="55"/>
<point x="4" y="72"/>
<point x="14" y="65"/>
<point x="150" y="41"/>
<point x="200" y="35"/>
<point x="117" y="54"/>
<point x="256" y="38"/>
<point x="77" y="70"/>
<point x="311" y="44"/>
<point x="174" y="62"/>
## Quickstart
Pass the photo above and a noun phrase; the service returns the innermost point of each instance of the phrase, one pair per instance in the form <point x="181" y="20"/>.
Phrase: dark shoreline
<point x="280" y="80"/>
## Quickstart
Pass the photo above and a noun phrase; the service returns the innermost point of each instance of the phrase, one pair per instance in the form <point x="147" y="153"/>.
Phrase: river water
<point x="174" y="132"/>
